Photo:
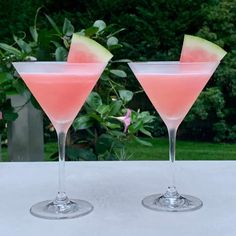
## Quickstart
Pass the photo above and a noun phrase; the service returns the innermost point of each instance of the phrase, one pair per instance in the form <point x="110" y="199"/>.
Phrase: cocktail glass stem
<point x="61" y="207"/>
<point x="172" y="196"/>
<point x="171" y="200"/>
<point x="172" y="141"/>
<point x="61" y="196"/>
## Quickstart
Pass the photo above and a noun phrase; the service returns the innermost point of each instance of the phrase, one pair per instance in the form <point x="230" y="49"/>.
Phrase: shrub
<point x="100" y="123"/>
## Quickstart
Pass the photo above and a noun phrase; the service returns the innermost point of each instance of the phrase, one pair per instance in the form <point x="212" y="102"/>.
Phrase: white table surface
<point x="116" y="190"/>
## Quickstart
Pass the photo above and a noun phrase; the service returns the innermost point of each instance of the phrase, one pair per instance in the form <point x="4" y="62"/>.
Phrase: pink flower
<point x="125" y="119"/>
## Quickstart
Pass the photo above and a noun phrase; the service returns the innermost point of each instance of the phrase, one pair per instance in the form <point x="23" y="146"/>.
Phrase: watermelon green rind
<point x="192" y="44"/>
<point x="86" y="50"/>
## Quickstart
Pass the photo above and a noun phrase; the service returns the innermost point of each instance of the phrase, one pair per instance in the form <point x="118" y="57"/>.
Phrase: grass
<point x="185" y="150"/>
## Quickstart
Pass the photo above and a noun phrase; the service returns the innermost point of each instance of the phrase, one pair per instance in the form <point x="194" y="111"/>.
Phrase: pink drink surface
<point x="60" y="95"/>
<point x="173" y="95"/>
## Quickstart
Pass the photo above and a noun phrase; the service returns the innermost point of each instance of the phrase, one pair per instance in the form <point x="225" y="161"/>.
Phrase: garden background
<point x="135" y="30"/>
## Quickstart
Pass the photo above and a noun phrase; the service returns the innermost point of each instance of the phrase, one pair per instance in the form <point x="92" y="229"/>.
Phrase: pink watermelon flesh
<point x="196" y="49"/>
<point x="83" y="54"/>
<point x="86" y="50"/>
<point x="197" y="55"/>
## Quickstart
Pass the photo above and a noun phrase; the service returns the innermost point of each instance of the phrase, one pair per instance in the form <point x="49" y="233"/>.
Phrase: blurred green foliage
<point x="101" y="128"/>
<point x="154" y="30"/>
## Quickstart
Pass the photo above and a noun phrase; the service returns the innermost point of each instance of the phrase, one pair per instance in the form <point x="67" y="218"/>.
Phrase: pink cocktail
<point x="61" y="89"/>
<point x="173" y="87"/>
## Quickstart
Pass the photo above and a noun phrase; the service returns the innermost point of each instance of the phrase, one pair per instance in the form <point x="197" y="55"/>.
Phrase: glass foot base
<point x="172" y="201"/>
<point x="52" y="210"/>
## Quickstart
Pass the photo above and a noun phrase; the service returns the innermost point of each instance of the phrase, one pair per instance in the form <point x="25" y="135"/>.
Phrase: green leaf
<point x="126" y="95"/>
<point x="112" y="125"/>
<point x="34" y="33"/>
<point x="45" y="38"/>
<point x="5" y="77"/>
<point x="89" y="32"/>
<point x="114" y="47"/>
<point x="134" y="116"/>
<point x="116" y="32"/>
<point x="22" y="44"/>
<point x="112" y="41"/>
<point x="83" y="122"/>
<point x="53" y="24"/>
<point x="2" y="96"/>
<point x="102" y="109"/>
<point x="146" y="117"/>
<point x="136" y="126"/>
<point x="104" y="77"/>
<point x="115" y="107"/>
<point x="146" y="132"/>
<point x="107" y="156"/>
<point x="56" y="44"/>
<point x="119" y="73"/>
<point x="96" y="117"/>
<point x="10" y="90"/>
<point x="100" y="24"/>
<point x="9" y="116"/>
<point x="104" y="143"/>
<point x="117" y="133"/>
<point x="143" y="142"/>
<point x="61" y="54"/>
<point x="78" y="153"/>
<point x="94" y="100"/>
<point x="10" y="49"/>
<point x="19" y="86"/>
<point x="68" y="28"/>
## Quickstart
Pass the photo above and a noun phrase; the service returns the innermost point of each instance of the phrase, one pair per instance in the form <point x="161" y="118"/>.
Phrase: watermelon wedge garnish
<point x="196" y="49"/>
<point x="86" y="50"/>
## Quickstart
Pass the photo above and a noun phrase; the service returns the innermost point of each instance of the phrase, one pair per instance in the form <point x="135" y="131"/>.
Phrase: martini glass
<point x="172" y="87"/>
<point x="61" y="89"/>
